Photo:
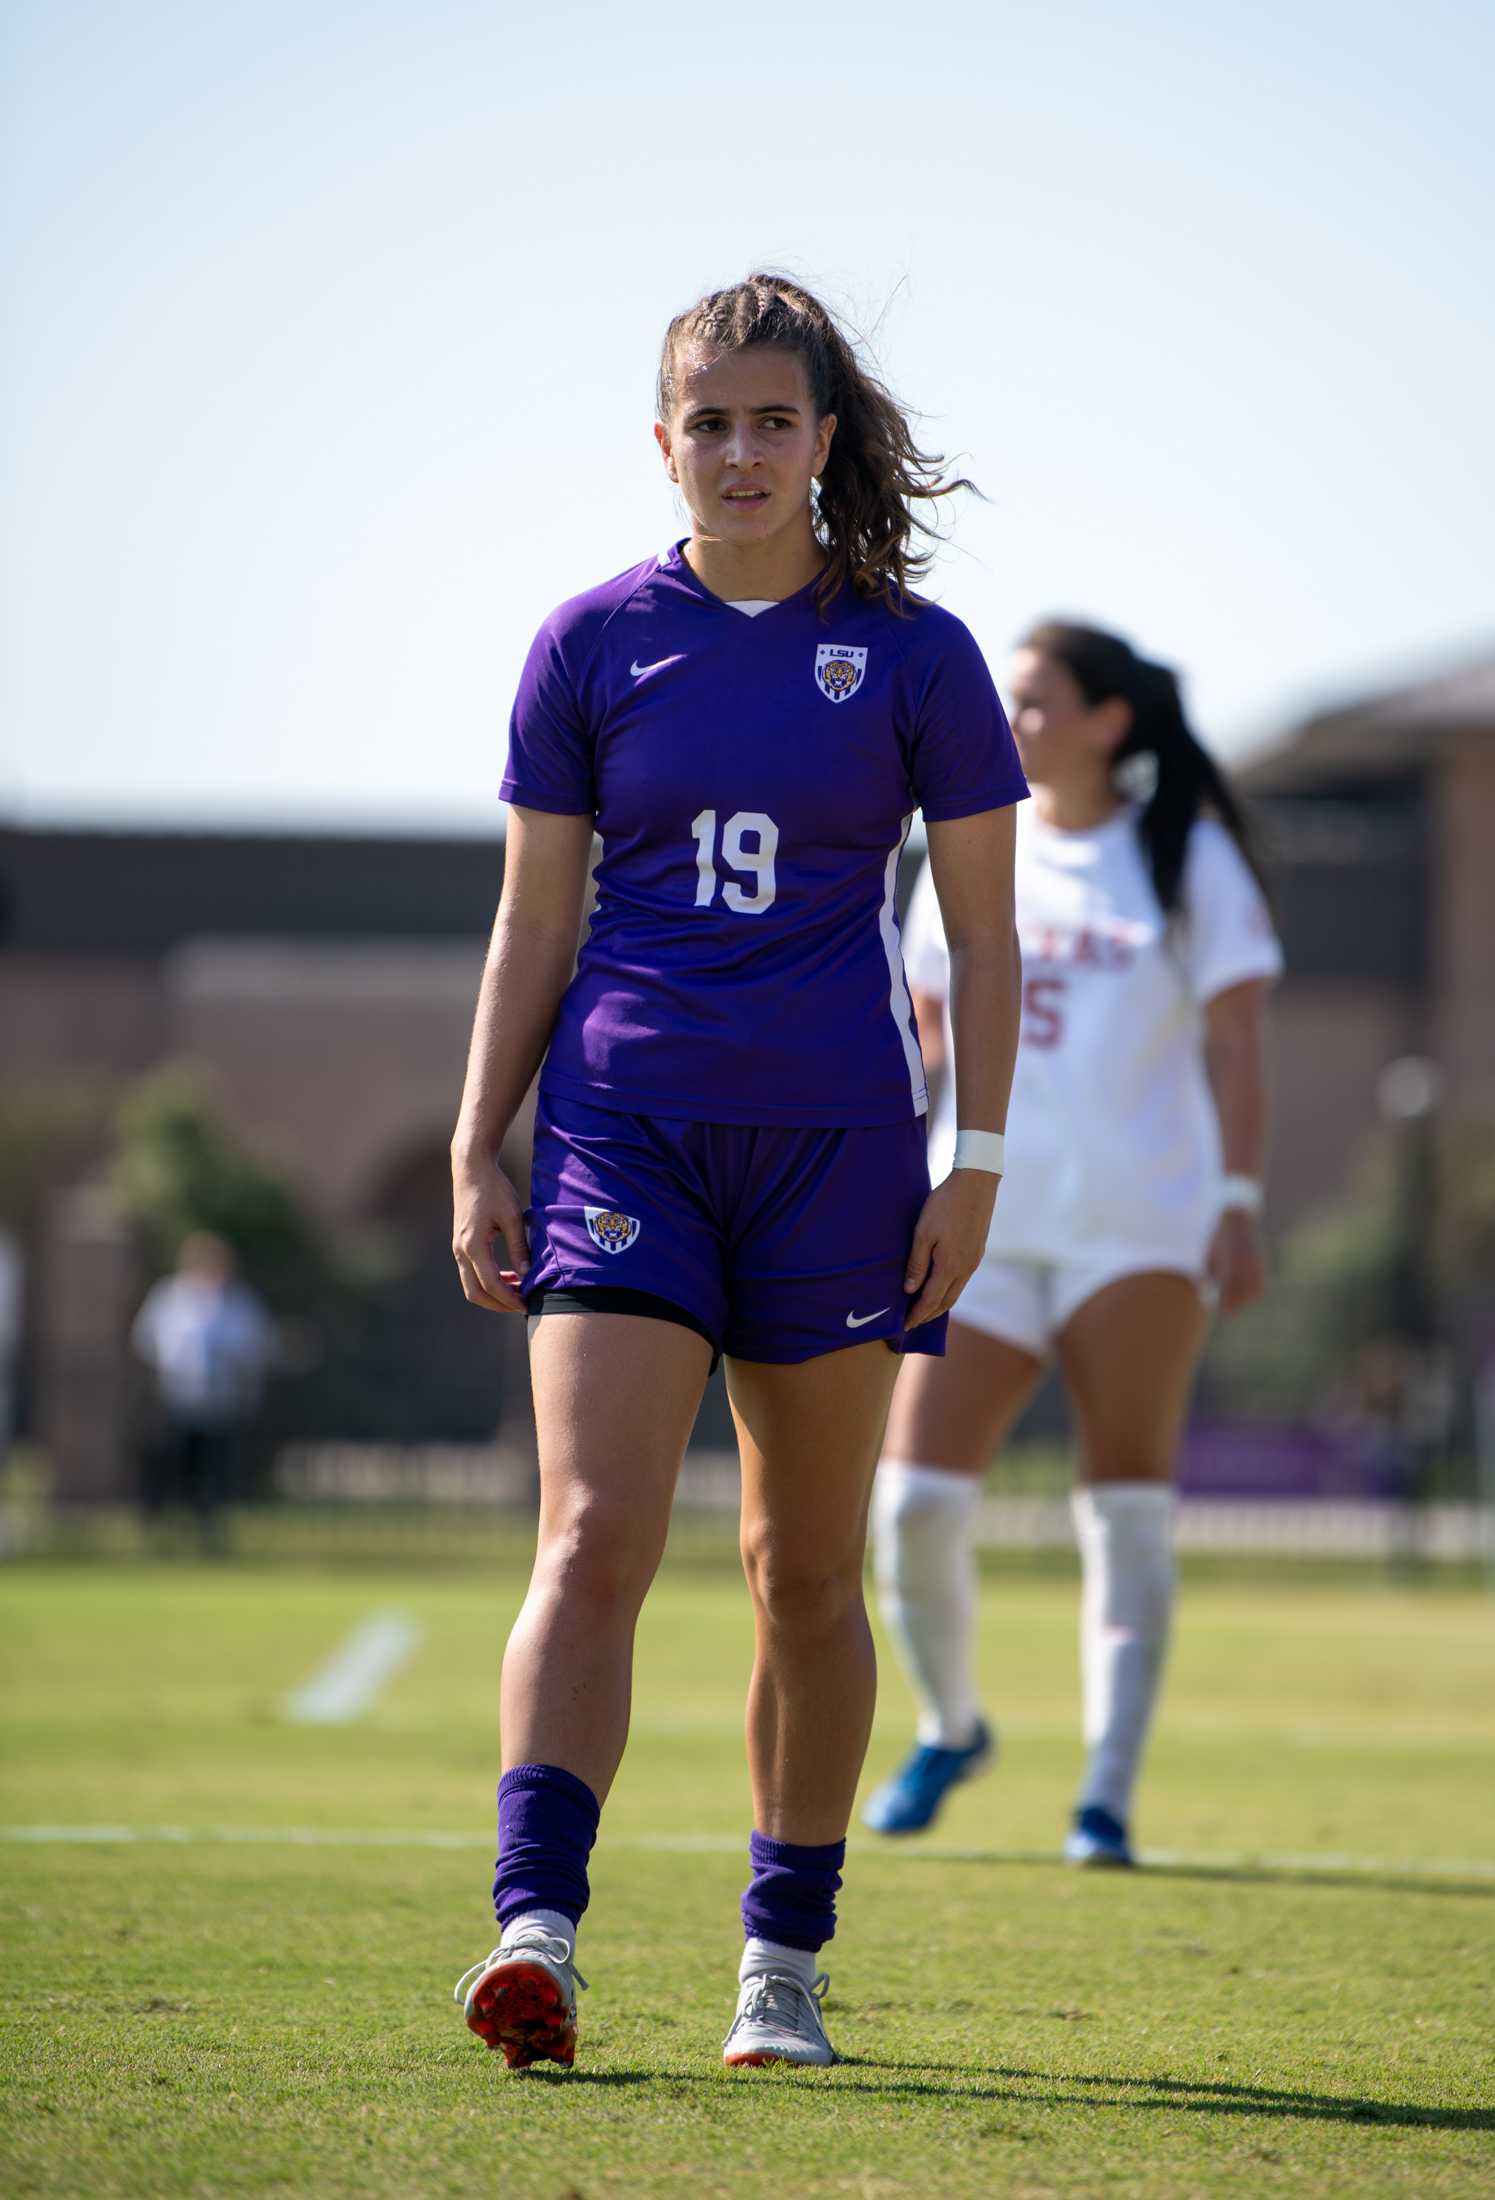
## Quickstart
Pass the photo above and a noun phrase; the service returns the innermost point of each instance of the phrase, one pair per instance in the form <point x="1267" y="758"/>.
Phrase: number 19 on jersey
<point x="755" y="862"/>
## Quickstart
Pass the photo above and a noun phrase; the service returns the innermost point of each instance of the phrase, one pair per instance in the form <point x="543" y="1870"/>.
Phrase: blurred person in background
<point x="209" y="1342"/>
<point x="749" y="720"/>
<point x="1137" y="1140"/>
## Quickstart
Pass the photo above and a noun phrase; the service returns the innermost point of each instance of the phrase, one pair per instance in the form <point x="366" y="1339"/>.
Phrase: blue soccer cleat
<point x="1098" y="1838"/>
<point x="911" y="1800"/>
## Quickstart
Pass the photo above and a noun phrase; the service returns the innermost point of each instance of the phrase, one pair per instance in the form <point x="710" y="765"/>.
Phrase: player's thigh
<point x="616" y="1396"/>
<point x="1128" y="1356"/>
<point x="955" y="1412"/>
<point x="809" y="1435"/>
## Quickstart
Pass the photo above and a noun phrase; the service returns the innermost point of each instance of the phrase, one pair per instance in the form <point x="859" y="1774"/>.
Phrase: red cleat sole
<point x="519" y="2011"/>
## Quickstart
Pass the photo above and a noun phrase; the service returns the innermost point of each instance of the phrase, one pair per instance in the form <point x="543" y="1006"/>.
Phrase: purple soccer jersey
<point x="753" y="781"/>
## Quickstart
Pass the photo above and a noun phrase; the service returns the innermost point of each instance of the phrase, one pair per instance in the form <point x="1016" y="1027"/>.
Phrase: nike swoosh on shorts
<point x="860" y="1321"/>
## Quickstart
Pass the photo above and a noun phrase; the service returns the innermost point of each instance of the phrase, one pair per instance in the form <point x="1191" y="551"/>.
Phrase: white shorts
<point x="1028" y="1302"/>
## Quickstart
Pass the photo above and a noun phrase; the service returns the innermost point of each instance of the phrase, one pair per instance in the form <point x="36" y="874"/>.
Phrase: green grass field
<point x="250" y="1995"/>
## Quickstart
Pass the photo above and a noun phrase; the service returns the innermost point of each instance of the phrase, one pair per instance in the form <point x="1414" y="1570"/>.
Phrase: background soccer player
<point x="210" y="1342"/>
<point x="729" y="1153"/>
<point x="1137" y="1140"/>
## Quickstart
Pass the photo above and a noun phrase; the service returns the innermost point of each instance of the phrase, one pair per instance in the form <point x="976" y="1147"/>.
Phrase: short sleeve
<point x="551" y="752"/>
<point x="926" y="959"/>
<point x="962" y="756"/>
<point x="1227" y="935"/>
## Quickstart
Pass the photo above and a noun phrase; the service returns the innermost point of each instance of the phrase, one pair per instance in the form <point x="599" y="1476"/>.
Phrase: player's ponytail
<point x="1159" y="760"/>
<point x="865" y="510"/>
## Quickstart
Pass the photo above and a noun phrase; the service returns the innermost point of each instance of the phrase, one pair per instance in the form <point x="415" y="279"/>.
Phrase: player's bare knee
<point x="600" y="1560"/>
<point x="796" y="1602"/>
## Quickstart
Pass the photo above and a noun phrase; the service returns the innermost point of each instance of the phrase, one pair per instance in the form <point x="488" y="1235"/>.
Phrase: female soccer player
<point x="749" y="721"/>
<point x="1137" y="1138"/>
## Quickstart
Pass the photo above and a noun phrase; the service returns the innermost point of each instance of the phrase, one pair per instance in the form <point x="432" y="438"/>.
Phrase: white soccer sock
<point x="1125" y="1532"/>
<point x="550" y="1921"/>
<point x="774" y="1955"/>
<point x="926" y="1582"/>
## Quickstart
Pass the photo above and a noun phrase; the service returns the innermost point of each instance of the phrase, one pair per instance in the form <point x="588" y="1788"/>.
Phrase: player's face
<point x="744" y="442"/>
<point x="1061" y="737"/>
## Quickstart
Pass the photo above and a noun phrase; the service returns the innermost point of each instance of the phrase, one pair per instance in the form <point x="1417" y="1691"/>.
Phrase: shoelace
<point x="534" y="1937"/>
<point x="779" y="1997"/>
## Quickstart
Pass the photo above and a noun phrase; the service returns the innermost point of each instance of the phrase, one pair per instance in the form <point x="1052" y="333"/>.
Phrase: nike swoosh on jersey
<point x="637" y="670"/>
<point x="860" y="1321"/>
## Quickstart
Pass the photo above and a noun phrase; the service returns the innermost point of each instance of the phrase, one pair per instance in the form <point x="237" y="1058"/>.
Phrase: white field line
<point x="724" y="1844"/>
<point x="1222" y="1730"/>
<point x="353" y="1676"/>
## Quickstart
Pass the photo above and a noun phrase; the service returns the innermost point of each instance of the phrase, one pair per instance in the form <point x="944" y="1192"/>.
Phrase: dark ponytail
<point x="875" y="474"/>
<point x="1159" y="746"/>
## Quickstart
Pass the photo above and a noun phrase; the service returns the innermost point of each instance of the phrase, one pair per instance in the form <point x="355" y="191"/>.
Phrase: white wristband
<point x="980" y="1150"/>
<point x="1242" y="1192"/>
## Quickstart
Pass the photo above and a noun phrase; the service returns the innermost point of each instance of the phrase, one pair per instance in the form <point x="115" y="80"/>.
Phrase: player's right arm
<point x="528" y="968"/>
<point x="971" y="859"/>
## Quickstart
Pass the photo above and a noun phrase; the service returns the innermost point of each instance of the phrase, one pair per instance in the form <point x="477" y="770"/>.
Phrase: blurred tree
<point x="179" y="1167"/>
<point x="380" y="1345"/>
<point x="1330" y="1318"/>
<point x="1464" y="1241"/>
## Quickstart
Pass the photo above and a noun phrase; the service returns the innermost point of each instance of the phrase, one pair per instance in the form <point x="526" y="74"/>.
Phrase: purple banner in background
<point x="1281" y="1461"/>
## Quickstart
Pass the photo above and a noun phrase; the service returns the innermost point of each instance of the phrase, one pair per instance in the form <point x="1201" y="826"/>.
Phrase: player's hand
<point x="1237" y="1263"/>
<point x="485" y="1210"/>
<point x="949" y="1242"/>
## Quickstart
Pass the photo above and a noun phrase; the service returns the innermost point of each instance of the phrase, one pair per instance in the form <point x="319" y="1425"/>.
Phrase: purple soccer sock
<point x="547" y="1822"/>
<point x="791" y="1897"/>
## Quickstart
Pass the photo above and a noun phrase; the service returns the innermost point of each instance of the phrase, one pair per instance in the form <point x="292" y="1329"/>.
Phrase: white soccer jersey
<point x="1112" y="1138"/>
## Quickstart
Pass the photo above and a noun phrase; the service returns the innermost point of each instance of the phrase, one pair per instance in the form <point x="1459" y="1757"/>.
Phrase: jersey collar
<point x="674" y="562"/>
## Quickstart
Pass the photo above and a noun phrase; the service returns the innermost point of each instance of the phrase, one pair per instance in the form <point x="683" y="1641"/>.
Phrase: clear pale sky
<point x="333" y="329"/>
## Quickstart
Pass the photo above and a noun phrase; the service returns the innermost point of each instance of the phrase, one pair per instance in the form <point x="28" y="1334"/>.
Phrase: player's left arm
<point x="1235" y="1056"/>
<point x="971" y="861"/>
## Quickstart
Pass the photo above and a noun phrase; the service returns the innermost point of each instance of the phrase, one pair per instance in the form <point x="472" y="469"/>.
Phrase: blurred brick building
<point x="323" y="988"/>
<point x="1379" y="824"/>
<point x="325" y="985"/>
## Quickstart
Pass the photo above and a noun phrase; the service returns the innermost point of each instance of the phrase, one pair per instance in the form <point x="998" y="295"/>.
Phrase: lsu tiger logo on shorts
<point x="610" y="1231"/>
<point x="839" y="670"/>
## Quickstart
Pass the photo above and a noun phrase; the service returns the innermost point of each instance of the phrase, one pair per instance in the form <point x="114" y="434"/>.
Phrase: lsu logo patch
<point x="610" y="1231"/>
<point x="839" y="670"/>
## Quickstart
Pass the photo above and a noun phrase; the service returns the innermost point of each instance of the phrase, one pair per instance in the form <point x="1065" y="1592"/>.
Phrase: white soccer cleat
<point x="778" y="2020"/>
<point x="521" y="1999"/>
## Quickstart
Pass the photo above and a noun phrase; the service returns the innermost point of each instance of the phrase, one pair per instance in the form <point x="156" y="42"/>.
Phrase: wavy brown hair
<point x="876" y="475"/>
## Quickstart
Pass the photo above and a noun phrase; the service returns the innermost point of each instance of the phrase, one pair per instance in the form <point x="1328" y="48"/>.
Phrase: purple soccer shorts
<point x="777" y="1244"/>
